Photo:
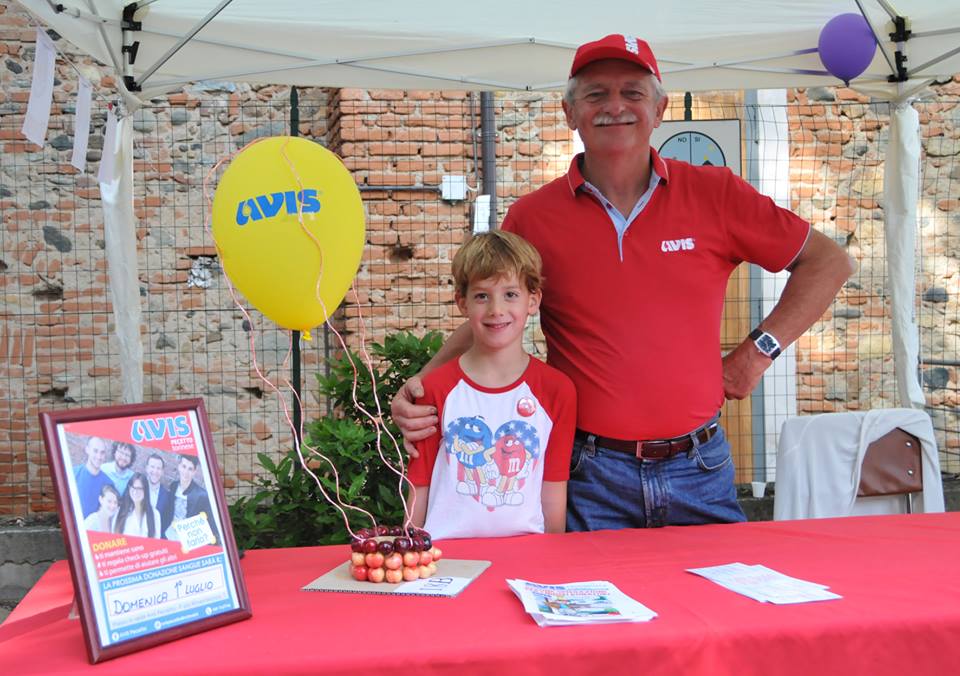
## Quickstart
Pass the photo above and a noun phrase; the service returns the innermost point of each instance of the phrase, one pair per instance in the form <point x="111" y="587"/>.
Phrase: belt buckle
<point x="667" y="448"/>
<point x="653" y="450"/>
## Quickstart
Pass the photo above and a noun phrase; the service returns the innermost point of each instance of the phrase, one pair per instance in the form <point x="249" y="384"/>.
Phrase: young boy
<point x="500" y="464"/>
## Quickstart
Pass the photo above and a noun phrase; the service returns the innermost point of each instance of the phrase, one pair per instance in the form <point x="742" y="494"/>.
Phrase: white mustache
<point x="601" y="119"/>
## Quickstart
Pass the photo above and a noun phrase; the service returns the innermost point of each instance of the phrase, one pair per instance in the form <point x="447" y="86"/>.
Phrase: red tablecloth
<point x="900" y="612"/>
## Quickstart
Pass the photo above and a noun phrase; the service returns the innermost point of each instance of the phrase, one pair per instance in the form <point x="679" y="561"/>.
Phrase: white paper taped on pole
<point x="41" y="90"/>
<point x="81" y="125"/>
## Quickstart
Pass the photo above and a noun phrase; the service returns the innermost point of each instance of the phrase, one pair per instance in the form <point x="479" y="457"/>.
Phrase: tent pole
<point x="488" y="136"/>
<point x="103" y="36"/>
<point x="883" y="49"/>
<point x="936" y="60"/>
<point x="295" y="335"/>
<point x="758" y="400"/>
<point x="184" y="40"/>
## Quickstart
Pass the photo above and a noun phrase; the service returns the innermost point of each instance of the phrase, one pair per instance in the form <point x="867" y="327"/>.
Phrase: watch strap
<point x="765" y="342"/>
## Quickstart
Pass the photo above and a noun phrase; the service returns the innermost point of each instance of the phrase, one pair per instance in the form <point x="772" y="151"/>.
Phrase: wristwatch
<point x="766" y="343"/>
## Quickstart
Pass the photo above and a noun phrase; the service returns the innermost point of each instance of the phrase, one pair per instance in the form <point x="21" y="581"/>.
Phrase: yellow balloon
<point x="273" y="259"/>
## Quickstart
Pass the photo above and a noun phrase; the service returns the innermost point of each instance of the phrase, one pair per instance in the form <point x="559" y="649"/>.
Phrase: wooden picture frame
<point x="155" y="560"/>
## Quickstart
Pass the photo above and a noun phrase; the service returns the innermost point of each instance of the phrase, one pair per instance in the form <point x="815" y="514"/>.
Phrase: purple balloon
<point x="846" y="46"/>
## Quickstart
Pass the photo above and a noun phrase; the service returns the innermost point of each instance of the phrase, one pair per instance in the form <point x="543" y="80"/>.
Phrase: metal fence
<point x="820" y="153"/>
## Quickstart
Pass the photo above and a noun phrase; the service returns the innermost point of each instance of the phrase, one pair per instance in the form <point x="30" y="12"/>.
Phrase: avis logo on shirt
<point x="670" y="245"/>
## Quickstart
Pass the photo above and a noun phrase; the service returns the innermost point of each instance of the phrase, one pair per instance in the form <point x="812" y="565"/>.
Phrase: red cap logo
<point x="616" y="46"/>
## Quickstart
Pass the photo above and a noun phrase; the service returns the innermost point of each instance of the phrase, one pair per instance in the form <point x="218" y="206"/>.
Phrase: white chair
<point x="820" y="459"/>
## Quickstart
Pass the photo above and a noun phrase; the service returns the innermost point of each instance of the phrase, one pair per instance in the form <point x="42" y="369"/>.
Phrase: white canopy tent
<point x="504" y="44"/>
<point x="498" y="44"/>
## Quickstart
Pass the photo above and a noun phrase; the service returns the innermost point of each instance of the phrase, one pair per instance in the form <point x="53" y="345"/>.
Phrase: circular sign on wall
<point x="695" y="148"/>
<point x="700" y="142"/>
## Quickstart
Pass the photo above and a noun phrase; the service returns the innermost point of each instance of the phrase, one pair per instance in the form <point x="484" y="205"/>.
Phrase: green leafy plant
<point x="289" y="509"/>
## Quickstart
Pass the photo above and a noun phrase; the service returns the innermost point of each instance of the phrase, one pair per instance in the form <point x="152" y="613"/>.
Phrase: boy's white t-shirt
<point x="498" y="446"/>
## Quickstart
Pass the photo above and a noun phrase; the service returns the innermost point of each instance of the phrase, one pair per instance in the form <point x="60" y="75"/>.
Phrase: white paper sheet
<point x="41" y="90"/>
<point x="765" y="584"/>
<point x="81" y="125"/>
<point x="108" y="157"/>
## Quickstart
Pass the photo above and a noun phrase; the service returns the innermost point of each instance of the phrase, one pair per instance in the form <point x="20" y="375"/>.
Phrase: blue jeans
<point x="611" y="489"/>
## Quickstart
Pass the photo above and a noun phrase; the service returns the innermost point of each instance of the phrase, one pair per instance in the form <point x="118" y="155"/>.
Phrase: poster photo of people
<point x="149" y="532"/>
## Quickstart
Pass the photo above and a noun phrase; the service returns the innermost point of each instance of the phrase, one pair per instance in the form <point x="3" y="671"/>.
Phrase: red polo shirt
<point x="640" y="338"/>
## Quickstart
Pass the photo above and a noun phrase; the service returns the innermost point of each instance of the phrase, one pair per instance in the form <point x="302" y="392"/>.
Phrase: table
<point x="900" y="612"/>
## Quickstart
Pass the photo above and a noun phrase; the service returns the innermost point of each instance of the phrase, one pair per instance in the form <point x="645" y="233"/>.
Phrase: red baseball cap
<point x="616" y="46"/>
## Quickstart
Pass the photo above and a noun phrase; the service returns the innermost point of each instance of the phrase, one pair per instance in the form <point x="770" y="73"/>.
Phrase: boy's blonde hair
<point x="495" y="254"/>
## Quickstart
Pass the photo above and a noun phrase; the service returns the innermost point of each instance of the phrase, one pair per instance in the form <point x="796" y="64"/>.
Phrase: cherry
<point x="385" y="548"/>
<point x="402" y="544"/>
<point x="369" y="546"/>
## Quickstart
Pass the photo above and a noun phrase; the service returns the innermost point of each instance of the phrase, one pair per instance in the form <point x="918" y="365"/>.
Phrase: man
<point x="637" y="251"/>
<point x="188" y="499"/>
<point x="159" y="494"/>
<point x="90" y="478"/>
<point x="120" y="469"/>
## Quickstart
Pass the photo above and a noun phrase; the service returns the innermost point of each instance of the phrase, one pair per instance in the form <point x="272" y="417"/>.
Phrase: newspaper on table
<point x="596" y="602"/>
<point x="765" y="584"/>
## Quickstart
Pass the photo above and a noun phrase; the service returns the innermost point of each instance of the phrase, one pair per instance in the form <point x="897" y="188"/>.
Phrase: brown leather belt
<point x="658" y="449"/>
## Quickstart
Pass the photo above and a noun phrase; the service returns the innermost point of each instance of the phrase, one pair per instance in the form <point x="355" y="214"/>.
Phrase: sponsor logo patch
<point x="671" y="245"/>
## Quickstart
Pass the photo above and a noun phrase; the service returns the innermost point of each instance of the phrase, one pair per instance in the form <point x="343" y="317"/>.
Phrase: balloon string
<point x="379" y="424"/>
<point x="316" y="451"/>
<point x="407" y="509"/>
<point x="305" y="229"/>
<point x="319" y="298"/>
<point x="377" y="420"/>
<point x="338" y="504"/>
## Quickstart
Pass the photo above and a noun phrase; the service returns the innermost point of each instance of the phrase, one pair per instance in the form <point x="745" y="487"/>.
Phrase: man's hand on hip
<point x="742" y="370"/>
<point x="415" y="422"/>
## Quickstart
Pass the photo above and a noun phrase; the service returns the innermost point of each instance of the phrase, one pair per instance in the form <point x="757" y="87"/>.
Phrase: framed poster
<point x="145" y="523"/>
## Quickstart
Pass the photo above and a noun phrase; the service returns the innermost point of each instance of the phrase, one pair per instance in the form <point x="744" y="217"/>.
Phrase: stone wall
<point x="845" y="363"/>
<point x="56" y="345"/>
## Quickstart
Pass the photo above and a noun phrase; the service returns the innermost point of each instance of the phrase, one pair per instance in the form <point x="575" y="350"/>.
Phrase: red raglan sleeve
<point x="420" y="470"/>
<point x="560" y="398"/>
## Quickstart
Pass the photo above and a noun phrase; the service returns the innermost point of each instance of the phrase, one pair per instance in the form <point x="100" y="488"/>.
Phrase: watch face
<point x="766" y="344"/>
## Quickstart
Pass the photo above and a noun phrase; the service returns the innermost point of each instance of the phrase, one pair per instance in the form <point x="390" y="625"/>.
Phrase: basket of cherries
<point x="392" y="554"/>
